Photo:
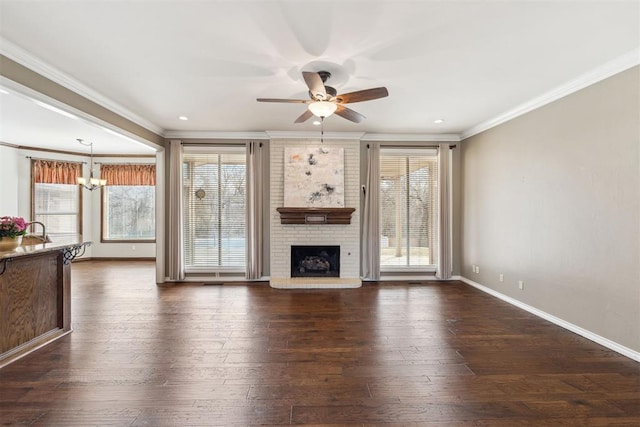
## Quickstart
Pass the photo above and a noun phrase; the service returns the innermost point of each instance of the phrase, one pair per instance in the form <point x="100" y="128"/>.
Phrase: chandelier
<point x="90" y="183"/>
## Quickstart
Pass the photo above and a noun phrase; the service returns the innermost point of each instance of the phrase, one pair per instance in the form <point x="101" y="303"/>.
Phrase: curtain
<point x="444" y="266"/>
<point x="254" y="210"/>
<point x="371" y="216"/>
<point x="128" y="174"/>
<point x="175" y="258"/>
<point x="55" y="172"/>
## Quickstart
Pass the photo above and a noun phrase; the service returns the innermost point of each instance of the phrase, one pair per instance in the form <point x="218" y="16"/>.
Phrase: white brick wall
<point x="347" y="236"/>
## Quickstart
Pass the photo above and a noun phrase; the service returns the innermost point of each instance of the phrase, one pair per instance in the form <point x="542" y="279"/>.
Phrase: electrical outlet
<point x="477" y="269"/>
<point x="133" y="247"/>
<point x="521" y="284"/>
<point x="501" y="277"/>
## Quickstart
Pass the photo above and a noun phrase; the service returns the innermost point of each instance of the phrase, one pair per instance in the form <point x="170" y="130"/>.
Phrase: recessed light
<point x="316" y="122"/>
<point x="438" y="121"/>
<point x="183" y="118"/>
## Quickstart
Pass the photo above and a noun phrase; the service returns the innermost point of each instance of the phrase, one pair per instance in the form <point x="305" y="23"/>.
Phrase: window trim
<point x="33" y="199"/>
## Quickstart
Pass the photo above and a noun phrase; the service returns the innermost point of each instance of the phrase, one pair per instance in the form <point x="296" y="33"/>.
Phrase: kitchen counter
<point x="35" y="294"/>
<point x="32" y="245"/>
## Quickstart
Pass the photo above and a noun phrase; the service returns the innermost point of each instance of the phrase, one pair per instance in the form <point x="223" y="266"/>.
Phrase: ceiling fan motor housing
<point x="324" y="75"/>
<point x="330" y="91"/>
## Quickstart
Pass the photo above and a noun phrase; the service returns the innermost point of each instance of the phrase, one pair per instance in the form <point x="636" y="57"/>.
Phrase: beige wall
<point x="553" y="198"/>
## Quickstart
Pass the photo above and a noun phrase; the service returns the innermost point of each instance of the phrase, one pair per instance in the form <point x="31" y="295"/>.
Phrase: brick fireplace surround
<point x="345" y="235"/>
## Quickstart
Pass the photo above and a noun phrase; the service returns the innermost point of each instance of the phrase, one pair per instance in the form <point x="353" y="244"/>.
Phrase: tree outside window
<point x="129" y="213"/>
<point x="128" y="203"/>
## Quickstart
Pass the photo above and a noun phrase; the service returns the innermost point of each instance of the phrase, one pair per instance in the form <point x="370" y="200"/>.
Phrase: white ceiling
<point x="28" y="121"/>
<point x="464" y="62"/>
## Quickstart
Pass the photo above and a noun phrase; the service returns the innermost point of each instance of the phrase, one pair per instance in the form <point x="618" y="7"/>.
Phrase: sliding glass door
<point x="214" y="209"/>
<point x="408" y="208"/>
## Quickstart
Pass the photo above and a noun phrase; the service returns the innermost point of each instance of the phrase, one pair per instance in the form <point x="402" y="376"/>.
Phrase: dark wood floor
<point x="435" y="354"/>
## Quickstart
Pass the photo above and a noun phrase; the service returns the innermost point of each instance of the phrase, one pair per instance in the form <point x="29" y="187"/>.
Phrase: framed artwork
<point x="314" y="176"/>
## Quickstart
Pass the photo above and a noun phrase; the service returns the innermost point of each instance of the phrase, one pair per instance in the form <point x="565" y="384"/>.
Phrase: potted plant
<point x="12" y="228"/>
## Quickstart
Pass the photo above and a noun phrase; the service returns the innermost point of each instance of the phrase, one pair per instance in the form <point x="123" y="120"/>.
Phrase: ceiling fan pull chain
<point x="321" y="130"/>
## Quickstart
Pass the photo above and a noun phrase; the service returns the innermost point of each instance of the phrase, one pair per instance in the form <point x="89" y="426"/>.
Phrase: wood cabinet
<point x="35" y="298"/>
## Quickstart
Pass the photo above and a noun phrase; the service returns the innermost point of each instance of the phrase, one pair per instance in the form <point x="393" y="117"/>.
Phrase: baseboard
<point x="410" y="277"/>
<point x="612" y="345"/>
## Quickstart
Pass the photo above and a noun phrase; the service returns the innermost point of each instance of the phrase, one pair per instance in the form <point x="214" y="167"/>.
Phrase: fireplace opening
<point x="315" y="261"/>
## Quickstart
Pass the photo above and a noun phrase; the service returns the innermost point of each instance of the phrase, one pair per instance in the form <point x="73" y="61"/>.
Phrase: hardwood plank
<point x="425" y="412"/>
<point x="387" y="354"/>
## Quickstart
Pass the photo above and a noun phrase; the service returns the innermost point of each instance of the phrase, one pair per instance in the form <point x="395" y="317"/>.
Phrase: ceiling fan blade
<point x="304" y="116"/>
<point x="315" y="84"/>
<point x="349" y="114"/>
<point x="363" y="95"/>
<point x="297" y="101"/>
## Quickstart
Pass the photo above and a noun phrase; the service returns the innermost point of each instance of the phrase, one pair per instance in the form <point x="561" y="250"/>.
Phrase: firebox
<point x="315" y="261"/>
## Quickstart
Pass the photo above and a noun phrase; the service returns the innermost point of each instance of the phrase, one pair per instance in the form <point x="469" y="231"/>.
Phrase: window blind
<point x="408" y="208"/>
<point x="56" y="196"/>
<point x="214" y="184"/>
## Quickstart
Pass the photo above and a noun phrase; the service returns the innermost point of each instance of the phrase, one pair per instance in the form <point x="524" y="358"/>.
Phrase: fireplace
<point x="315" y="261"/>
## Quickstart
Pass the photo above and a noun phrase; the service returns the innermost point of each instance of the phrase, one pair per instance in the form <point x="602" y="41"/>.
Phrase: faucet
<point x="44" y="234"/>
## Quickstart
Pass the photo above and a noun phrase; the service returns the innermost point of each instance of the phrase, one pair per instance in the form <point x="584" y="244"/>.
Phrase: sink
<point x="34" y="239"/>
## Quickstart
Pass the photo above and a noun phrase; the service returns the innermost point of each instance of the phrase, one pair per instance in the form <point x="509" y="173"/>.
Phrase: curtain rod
<point x="124" y="163"/>
<point x="54" y="160"/>
<point x="451" y="147"/>
<point x="216" y="144"/>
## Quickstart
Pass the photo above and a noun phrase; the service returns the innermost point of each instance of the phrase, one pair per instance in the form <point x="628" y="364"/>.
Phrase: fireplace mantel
<point x="310" y="216"/>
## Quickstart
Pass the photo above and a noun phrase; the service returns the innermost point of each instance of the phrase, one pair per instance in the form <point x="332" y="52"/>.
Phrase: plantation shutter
<point x="408" y="208"/>
<point x="214" y="184"/>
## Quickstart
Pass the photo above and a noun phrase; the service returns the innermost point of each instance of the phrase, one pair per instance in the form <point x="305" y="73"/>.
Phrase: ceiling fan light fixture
<point x="323" y="108"/>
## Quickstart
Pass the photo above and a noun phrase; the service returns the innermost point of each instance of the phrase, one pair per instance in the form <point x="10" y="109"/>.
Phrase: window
<point x="56" y="196"/>
<point x="128" y="203"/>
<point x="408" y="202"/>
<point x="214" y="209"/>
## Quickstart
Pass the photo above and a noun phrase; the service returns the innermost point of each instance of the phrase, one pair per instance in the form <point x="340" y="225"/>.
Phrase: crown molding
<point x="16" y="89"/>
<point x="21" y="56"/>
<point x="618" y="65"/>
<point x="274" y="134"/>
<point x="6" y="144"/>
<point x="196" y="134"/>
<point x="411" y="137"/>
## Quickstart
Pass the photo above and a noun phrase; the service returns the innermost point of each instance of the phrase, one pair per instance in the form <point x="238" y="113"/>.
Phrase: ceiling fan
<point x="324" y="100"/>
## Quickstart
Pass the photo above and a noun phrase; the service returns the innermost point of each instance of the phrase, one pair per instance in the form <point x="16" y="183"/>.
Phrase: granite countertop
<point x="57" y="244"/>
